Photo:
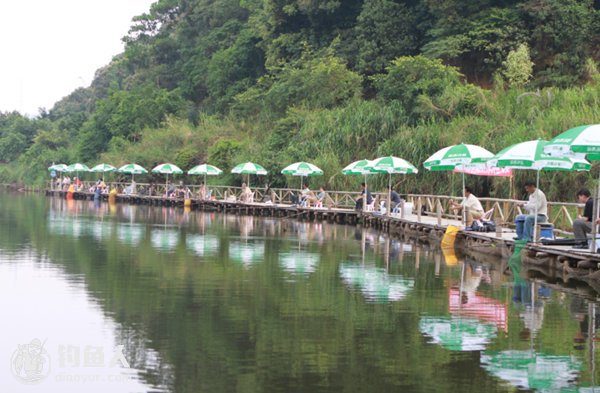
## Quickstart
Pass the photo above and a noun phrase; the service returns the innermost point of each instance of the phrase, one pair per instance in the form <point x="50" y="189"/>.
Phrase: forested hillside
<point x="328" y="81"/>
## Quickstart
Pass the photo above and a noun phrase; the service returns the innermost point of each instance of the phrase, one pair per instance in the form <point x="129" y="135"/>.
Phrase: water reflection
<point x="281" y="305"/>
<point x="375" y="283"/>
<point x="202" y="245"/>
<point x="458" y="333"/>
<point x="533" y="370"/>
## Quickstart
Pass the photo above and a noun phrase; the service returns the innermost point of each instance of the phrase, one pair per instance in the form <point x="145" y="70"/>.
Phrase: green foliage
<point x="385" y="30"/>
<point x="518" y="67"/>
<point x="321" y="82"/>
<point x="408" y="78"/>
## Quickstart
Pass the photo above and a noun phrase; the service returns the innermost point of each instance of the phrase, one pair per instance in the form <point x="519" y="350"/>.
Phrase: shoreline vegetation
<point x="329" y="84"/>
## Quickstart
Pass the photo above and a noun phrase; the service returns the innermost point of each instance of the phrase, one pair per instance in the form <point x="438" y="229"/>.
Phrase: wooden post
<point x="439" y="213"/>
<point x="402" y="212"/>
<point x="419" y="204"/>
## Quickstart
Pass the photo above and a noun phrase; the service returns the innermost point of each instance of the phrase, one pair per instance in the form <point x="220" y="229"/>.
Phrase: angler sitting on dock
<point x="537" y="203"/>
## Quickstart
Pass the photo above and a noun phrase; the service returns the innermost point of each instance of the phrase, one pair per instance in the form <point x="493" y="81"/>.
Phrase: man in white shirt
<point x="537" y="202"/>
<point x="475" y="210"/>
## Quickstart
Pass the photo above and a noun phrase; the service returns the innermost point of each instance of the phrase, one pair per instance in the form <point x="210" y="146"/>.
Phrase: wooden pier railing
<point x="561" y="214"/>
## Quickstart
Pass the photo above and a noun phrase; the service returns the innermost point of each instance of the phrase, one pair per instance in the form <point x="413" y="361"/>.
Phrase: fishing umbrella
<point x="580" y="140"/>
<point x="531" y="370"/>
<point x="530" y="155"/>
<point x="103" y="168"/>
<point x="58" y="168"/>
<point x="360" y="167"/>
<point x="206" y="170"/>
<point x="132" y="169"/>
<point x="458" y="333"/>
<point x="249" y="168"/>
<point x="302" y="169"/>
<point x="167" y="169"/>
<point x="457" y="156"/>
<point x="392" y="165"/>
<point x="77" y="167"/>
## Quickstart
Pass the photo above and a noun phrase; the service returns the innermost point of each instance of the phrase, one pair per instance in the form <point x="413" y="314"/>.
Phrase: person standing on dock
<point x="583" y="224"/>
<point x="470" y="202"/>
<point x="537" y="202"/>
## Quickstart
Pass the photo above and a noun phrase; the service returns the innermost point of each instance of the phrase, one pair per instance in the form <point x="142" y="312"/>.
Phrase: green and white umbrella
<point x="249" y="168"/>
<point x="452" y="157"/>
<point x="458" y="156"/>
<point x="164" y="239"/>
<point x="529" y="370"/>
<point x="392" y="165"/>
<point x="302" y="169"/>
<point x="77" y="167"/>
<point x="206" y="170"/>
<point x="202" y="245"/>
<point x="580" y="140"/>
<point x="103" y="168"/>
<point x="132" y="169"/>
<point x="167" y="169"/>
<point x="360" y="167"/>
<point x="458" y="333"/>
<point x="530" y="155"/>
<point x="58" y="168"/>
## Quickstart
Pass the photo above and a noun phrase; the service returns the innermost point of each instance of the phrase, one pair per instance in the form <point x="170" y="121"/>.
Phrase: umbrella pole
<point x="535" y="219"/>
<point x="205" y="189"/>
<point x="364" y="200"/>
<point x="463" y="194"/>
<point x="389" y="202"/>
<point x="594" y="216"/>
<point x="167" y="186"/>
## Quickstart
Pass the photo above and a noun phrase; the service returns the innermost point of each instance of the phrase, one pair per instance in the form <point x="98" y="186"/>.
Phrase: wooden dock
<point x="554" y="263"/>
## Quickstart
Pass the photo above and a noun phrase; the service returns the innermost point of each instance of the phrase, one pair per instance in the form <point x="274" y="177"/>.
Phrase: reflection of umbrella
<point x="302" y="169"/>
<point x="477" y="306"/>
<point x="458" y="333"/>
<point x="206" y="170"/>
<point x="132" y="169"/>
<point x="375" y="283"/>
<point x="249" y="168"/>
<point x="457" y="156"/>
<point x="530" y="155"/>
<point x="392" y="165"/>
<point x="299" y="262"/>
<point x="131" y="234"/>
<point x="164" y="239"/>
<point x="531" y="370"/>
<point x="167" y="169"/>
<point x="247" y="253"/>
<point x="202" y="245"/>
<point x="580" y="140"/>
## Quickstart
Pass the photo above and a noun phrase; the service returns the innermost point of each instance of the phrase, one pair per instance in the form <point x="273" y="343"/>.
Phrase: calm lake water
<point x="99" y="298"/>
